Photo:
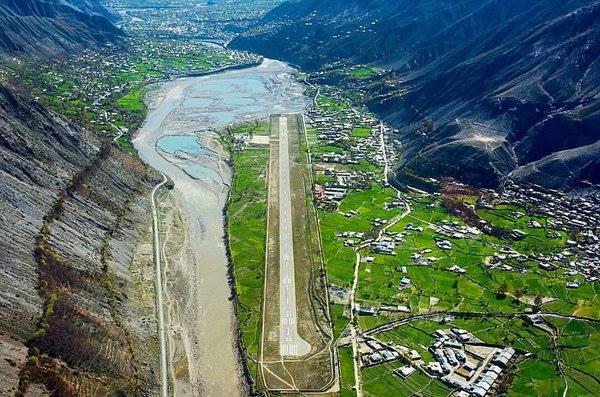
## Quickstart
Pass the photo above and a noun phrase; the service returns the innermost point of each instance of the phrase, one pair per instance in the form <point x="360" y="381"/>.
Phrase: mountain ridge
<point x="44" y="28"/>
<point x="74" y="213"/>
<point x="477" y="90"/>
<point x="74" y="209"/>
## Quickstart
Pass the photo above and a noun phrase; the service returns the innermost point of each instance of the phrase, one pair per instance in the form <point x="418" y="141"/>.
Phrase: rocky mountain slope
<point x="74" y="209"/>
<point x="46" y="27"/>
<point x="77" y="306"/>
<point x="92" y="7"/>
<point x="479" y="90"/>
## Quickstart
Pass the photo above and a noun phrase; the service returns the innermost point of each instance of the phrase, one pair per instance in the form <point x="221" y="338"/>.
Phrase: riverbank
<point x="227" y="68"/>
<point x="203" y="288"/>
<point x="245" y="228"/>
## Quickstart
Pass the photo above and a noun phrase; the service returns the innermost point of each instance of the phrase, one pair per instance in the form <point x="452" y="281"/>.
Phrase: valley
<point x="408" y="207"/>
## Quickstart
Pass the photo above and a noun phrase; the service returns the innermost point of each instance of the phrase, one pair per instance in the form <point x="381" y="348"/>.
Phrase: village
<point x="545" y="236"/>
<point x="103" y="91"/>
<point x="181" y="19"/>
<point x="462" y="361"/>
<point x="352" y="154"/>
<point x="579" y="216"/>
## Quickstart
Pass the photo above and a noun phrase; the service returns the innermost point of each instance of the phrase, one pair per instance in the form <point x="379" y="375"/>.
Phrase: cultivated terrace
<point x="464" y="289"/>
<point x="104" y="91"/>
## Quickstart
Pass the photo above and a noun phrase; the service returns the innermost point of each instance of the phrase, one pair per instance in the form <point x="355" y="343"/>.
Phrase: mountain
<point x="92" y="7"/>
<point x="43" y="28"/>
<point x="76" y="315"/>
<point x="478" y="90"/>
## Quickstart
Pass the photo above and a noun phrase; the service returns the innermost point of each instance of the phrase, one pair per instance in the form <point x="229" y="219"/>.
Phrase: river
<point x="178" y="138"/>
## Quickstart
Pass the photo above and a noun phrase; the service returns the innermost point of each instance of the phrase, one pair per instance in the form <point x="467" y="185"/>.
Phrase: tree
<point x="504" y="383"/>
<point x="502" y="290"/>
<point x="518" y="294"/>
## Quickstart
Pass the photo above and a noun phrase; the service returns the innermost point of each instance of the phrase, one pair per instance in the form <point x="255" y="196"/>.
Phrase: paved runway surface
<point x="290" y="343"/>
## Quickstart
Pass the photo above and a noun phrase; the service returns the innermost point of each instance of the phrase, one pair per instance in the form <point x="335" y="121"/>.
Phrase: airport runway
<point x="290" y="343"/>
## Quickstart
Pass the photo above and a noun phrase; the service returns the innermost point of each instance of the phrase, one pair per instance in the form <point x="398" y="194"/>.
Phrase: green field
<point x="261" y="127"/>
<point x="331" y="104"/>
<point x="133" y="101"/>
<point x="380" y="381"/>
<point x="346" y="372"/>
<point x="247" y="235"/>
<point x="360" y="132"/>
<point x="477" y="290"/>
<point x="340" y="320"/>
<point x="366" y="166"/>
<point x="482" y="288"/>
<point x="364" y="72"/>
<point x="369" y="203"/>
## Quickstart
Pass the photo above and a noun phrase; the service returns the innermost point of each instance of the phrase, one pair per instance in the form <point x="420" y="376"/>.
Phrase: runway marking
<point x="289" y="340"/>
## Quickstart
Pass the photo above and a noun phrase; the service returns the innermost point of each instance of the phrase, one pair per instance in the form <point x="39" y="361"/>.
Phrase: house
<point x="517" y="234"/>
<point x="404" y="372"/>
<point x="375" y="358"/>
<point x="573" y="284"/>
<point x="414" y="355"/>
<point x="457" y="269"/>
<point x="366" y="310"/>
<point x="469" y="366"/>
<point x="390" y="355"/>
<point x="478" y="391"/>
<point x="434" y="368"/>
<point x="452" y="344"/>
<point x="373" y="345"/>
<point x="444" y="244"/>
<point x="449" y="353"/>
<point x="440" y="333"/>
<point x="404" y="283"/>
<point x="502" y="358"/>
<point x="461" y="334"/>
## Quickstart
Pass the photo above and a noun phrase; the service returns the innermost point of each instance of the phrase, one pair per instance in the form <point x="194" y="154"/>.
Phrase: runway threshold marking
<point x="290" y="343"/>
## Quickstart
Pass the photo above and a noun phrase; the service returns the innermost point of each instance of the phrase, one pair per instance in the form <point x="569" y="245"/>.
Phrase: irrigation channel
<point x="179" y="138"/>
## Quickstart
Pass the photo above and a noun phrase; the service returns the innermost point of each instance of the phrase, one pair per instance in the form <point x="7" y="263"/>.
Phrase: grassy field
<point x="477" y="289"/>
<point x="331" y="104"/>
<point x="261" y="127"/>
<point x="366" y="166"/>
<point x="380" y="381"/>
<point x="247" y="234"/>
<point x="341" y="321"/>
<point x="346" y="372"/>
<point x="327" y="149"/>
<point x="369" y="203"/>
<point x="360" y="132"/>
<point x="133" y="101"/>
<point x="364" y="72"/>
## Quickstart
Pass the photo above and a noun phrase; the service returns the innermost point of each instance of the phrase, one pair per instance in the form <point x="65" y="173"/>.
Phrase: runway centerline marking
<point x="290" y="343"/>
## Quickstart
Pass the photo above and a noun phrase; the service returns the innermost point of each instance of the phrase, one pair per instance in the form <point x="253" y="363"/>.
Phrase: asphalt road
<point x="162" y="333"/>
<point x="290" y="343"/>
